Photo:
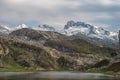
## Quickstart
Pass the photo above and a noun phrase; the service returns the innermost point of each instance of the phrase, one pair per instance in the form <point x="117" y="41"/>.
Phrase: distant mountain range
<point x="80" y="29"/>
<point x="78" y="46"/>
<point x="6" y="29"/>
<point x="94" y="33"/>
<point x="76" y="28"/>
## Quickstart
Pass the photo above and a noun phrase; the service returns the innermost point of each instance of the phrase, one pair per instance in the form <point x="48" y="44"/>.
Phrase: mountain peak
<point x="4" y="29"/>
<point x="45" y="27"/>
<point x="22" y="26"/>
<point x="78" y="24"/>
<point x="4" y="26"/>
<point x="82" y="28"/>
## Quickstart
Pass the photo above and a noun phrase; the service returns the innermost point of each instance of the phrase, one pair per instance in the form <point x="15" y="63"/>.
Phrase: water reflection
<point x="54" y="76"/>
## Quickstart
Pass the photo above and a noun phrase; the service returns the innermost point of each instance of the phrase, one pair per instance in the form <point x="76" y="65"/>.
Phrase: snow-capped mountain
<point x="78" y="28"/>
<point x="44" y="28"/>
<point x="4" y="29"/>
<point x="20" y="27"/>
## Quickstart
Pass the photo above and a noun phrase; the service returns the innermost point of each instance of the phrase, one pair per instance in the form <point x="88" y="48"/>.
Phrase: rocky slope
<point x="48" y="50"/>
<point x="16" y="52"/>
<point x="61" y="42"/>
<point x="68" y="52"/>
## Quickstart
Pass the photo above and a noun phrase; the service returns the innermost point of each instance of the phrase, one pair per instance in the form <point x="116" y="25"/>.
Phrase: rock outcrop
<point x="119" y="38"/>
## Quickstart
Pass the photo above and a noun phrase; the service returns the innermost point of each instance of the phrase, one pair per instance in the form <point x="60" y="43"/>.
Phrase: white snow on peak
<point x="21" y="26"/>
<point x="71" y="28"/>
<point x="4" y="29"/>
<point x="4" y="26"/>
<point x="78" y="28"/>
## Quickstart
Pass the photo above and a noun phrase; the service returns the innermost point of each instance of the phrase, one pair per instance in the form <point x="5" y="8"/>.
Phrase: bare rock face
<point x="1" y="53"/>
<point x="119" y="38"/>
<point x="3" y="50"/>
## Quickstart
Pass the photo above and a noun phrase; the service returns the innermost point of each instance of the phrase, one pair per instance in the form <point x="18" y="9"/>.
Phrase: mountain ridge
<point x="48" y="50"/>
<point x="79" y="29"/>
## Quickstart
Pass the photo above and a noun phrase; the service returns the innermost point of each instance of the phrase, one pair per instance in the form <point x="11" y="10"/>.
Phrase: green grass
<point x="99" y="71"/>
<point x="9" y="65"/>
<point x="15" y="69"/>
<point x="8" y="60"/>
<point x="80" y="46"/>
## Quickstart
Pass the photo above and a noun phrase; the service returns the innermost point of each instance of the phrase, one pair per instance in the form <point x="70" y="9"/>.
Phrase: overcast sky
<point x="104" y="13"/>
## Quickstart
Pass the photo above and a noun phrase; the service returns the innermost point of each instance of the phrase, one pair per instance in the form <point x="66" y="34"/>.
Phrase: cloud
<point x="58" y="12"/>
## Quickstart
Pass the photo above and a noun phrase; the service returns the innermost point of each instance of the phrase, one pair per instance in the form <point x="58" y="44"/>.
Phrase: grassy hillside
<point x="79" y="46"/>
<point x="26" y="56"/>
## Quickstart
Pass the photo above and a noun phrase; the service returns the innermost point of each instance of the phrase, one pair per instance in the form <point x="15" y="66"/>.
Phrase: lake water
<point x="55" y="76"/>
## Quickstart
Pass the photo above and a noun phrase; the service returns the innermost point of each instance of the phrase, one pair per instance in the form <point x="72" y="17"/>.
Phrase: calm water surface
<point x="55" y="76"/>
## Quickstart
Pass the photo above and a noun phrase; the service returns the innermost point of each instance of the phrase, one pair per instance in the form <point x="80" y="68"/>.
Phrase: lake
<point x="54" y="76"/>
